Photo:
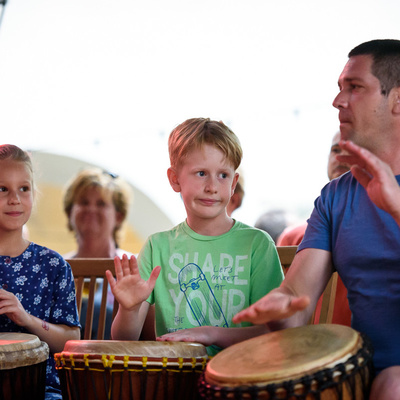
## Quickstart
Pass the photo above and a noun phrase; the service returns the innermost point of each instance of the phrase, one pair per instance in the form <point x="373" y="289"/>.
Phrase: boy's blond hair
<point x="195" y="132"/>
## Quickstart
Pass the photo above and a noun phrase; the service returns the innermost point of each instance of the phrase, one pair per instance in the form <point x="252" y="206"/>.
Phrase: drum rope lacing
<point x="70" y="367"/>
<point x="109" y="361"/>
<point x="336" y="377"/>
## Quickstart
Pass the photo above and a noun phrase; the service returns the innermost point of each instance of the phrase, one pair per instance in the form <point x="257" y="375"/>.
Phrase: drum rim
<point x="138" y="349"/>
<point x="218" y="370"/>
<point x="361" y="359"/>
<point x="12" y="341"/>
<point x="25" y="350"/>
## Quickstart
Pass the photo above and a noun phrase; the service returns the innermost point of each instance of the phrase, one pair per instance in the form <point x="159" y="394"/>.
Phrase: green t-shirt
<point x="206" y="280"/>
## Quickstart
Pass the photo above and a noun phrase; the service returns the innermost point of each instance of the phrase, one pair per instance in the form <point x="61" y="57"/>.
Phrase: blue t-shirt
<point x="365" y="245"/>
<point x="43" y="283"/>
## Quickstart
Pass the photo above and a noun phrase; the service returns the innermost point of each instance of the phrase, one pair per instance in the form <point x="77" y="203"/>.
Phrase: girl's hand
<point x="13" y="309"/>
<point x="129" y="288"/>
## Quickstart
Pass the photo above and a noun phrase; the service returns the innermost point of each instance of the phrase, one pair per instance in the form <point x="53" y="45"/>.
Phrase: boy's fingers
<point x="110" y="279"/>
<point x="133" y="267"/>
<point x="118" y="269"/>
<point x="126" y="266"/>
<point x="154" y="275"/>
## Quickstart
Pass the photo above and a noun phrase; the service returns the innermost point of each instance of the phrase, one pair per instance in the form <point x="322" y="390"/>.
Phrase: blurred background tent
<point x="48" y="223"/>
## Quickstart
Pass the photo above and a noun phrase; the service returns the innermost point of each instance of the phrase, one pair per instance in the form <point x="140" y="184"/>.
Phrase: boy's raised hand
<point x="129" y="288"/>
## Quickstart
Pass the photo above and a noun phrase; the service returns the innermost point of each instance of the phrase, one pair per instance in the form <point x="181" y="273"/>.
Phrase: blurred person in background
<point x="96" y="204"/>
<point x="274" y="222"/>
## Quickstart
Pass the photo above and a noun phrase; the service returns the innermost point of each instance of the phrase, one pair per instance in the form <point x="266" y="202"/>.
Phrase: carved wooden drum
<point x="23" y="359"/>
<point x="143" y="370"/>
<point x="326" y="362"/>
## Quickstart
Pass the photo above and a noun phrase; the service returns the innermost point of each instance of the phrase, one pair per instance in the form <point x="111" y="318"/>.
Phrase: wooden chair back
<point x="88" y="273"/>
<point x="286" y="256"/>
<point x="328" y="302"/>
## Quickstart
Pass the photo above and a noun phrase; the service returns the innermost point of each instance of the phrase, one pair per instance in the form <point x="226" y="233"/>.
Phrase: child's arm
<point x="131" y="291"/>
<point x="215" y="335"/>
<point x="55" y="335"/>
<point x="128" y="324"/>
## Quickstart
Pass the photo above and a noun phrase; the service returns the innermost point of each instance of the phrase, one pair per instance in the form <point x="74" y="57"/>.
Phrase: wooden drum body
<point x="23" y="360"/>
<point x="313" y="362"/>
<point x="111" y="369"/>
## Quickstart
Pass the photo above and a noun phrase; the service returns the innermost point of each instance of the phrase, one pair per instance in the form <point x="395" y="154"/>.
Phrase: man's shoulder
<point x="344" y="183"/>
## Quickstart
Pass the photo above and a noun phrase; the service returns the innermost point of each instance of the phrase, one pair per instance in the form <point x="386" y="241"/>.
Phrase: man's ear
<point x="173" y="179"/>
<point x="396" y="100"/>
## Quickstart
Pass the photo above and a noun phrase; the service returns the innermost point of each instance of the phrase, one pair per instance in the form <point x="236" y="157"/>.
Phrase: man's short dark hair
<point x="386" y="61"/>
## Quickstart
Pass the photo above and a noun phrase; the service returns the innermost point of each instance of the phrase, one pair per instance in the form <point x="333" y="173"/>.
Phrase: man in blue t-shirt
<point x="355" y="225"/>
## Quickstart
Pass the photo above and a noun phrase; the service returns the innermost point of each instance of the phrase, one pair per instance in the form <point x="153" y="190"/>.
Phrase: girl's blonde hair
<point x="14" y="153"/>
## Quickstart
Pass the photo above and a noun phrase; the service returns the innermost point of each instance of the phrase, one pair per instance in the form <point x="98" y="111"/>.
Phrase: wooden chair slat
<point x="88" y="273"/>
<point x="286" y="256"/>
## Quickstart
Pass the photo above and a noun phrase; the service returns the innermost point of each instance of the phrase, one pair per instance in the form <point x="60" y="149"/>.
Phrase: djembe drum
<point x="23" y="359"/>
<point x="143" y="370"/>
<point x="314" y="362"/>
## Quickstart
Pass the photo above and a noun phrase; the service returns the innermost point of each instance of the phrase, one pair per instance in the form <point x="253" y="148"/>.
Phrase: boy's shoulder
<point x="241" y="227"/>
<point x="167" y="233"/>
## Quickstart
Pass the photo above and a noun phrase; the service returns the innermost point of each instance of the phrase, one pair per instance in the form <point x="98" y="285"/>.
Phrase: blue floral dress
<point x="43" y="283"/>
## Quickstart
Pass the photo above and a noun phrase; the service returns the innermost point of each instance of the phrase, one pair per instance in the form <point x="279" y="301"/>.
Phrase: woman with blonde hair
<point x="96" y="204"/>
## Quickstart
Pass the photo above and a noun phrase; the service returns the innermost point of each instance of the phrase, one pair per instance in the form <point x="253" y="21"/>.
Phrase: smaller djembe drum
<point x="111" y="369"/>
<point x="313" y="362"/>
<point x="23" y="359"/>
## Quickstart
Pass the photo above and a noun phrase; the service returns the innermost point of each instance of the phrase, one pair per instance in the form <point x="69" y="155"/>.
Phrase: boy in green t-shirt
<point x="210" y="266"/>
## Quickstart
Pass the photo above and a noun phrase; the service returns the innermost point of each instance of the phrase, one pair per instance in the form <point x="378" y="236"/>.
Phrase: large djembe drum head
<point x="311" y="362"/>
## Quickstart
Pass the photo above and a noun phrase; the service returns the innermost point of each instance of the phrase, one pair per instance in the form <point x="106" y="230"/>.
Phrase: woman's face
<point x="94" y="214"/>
